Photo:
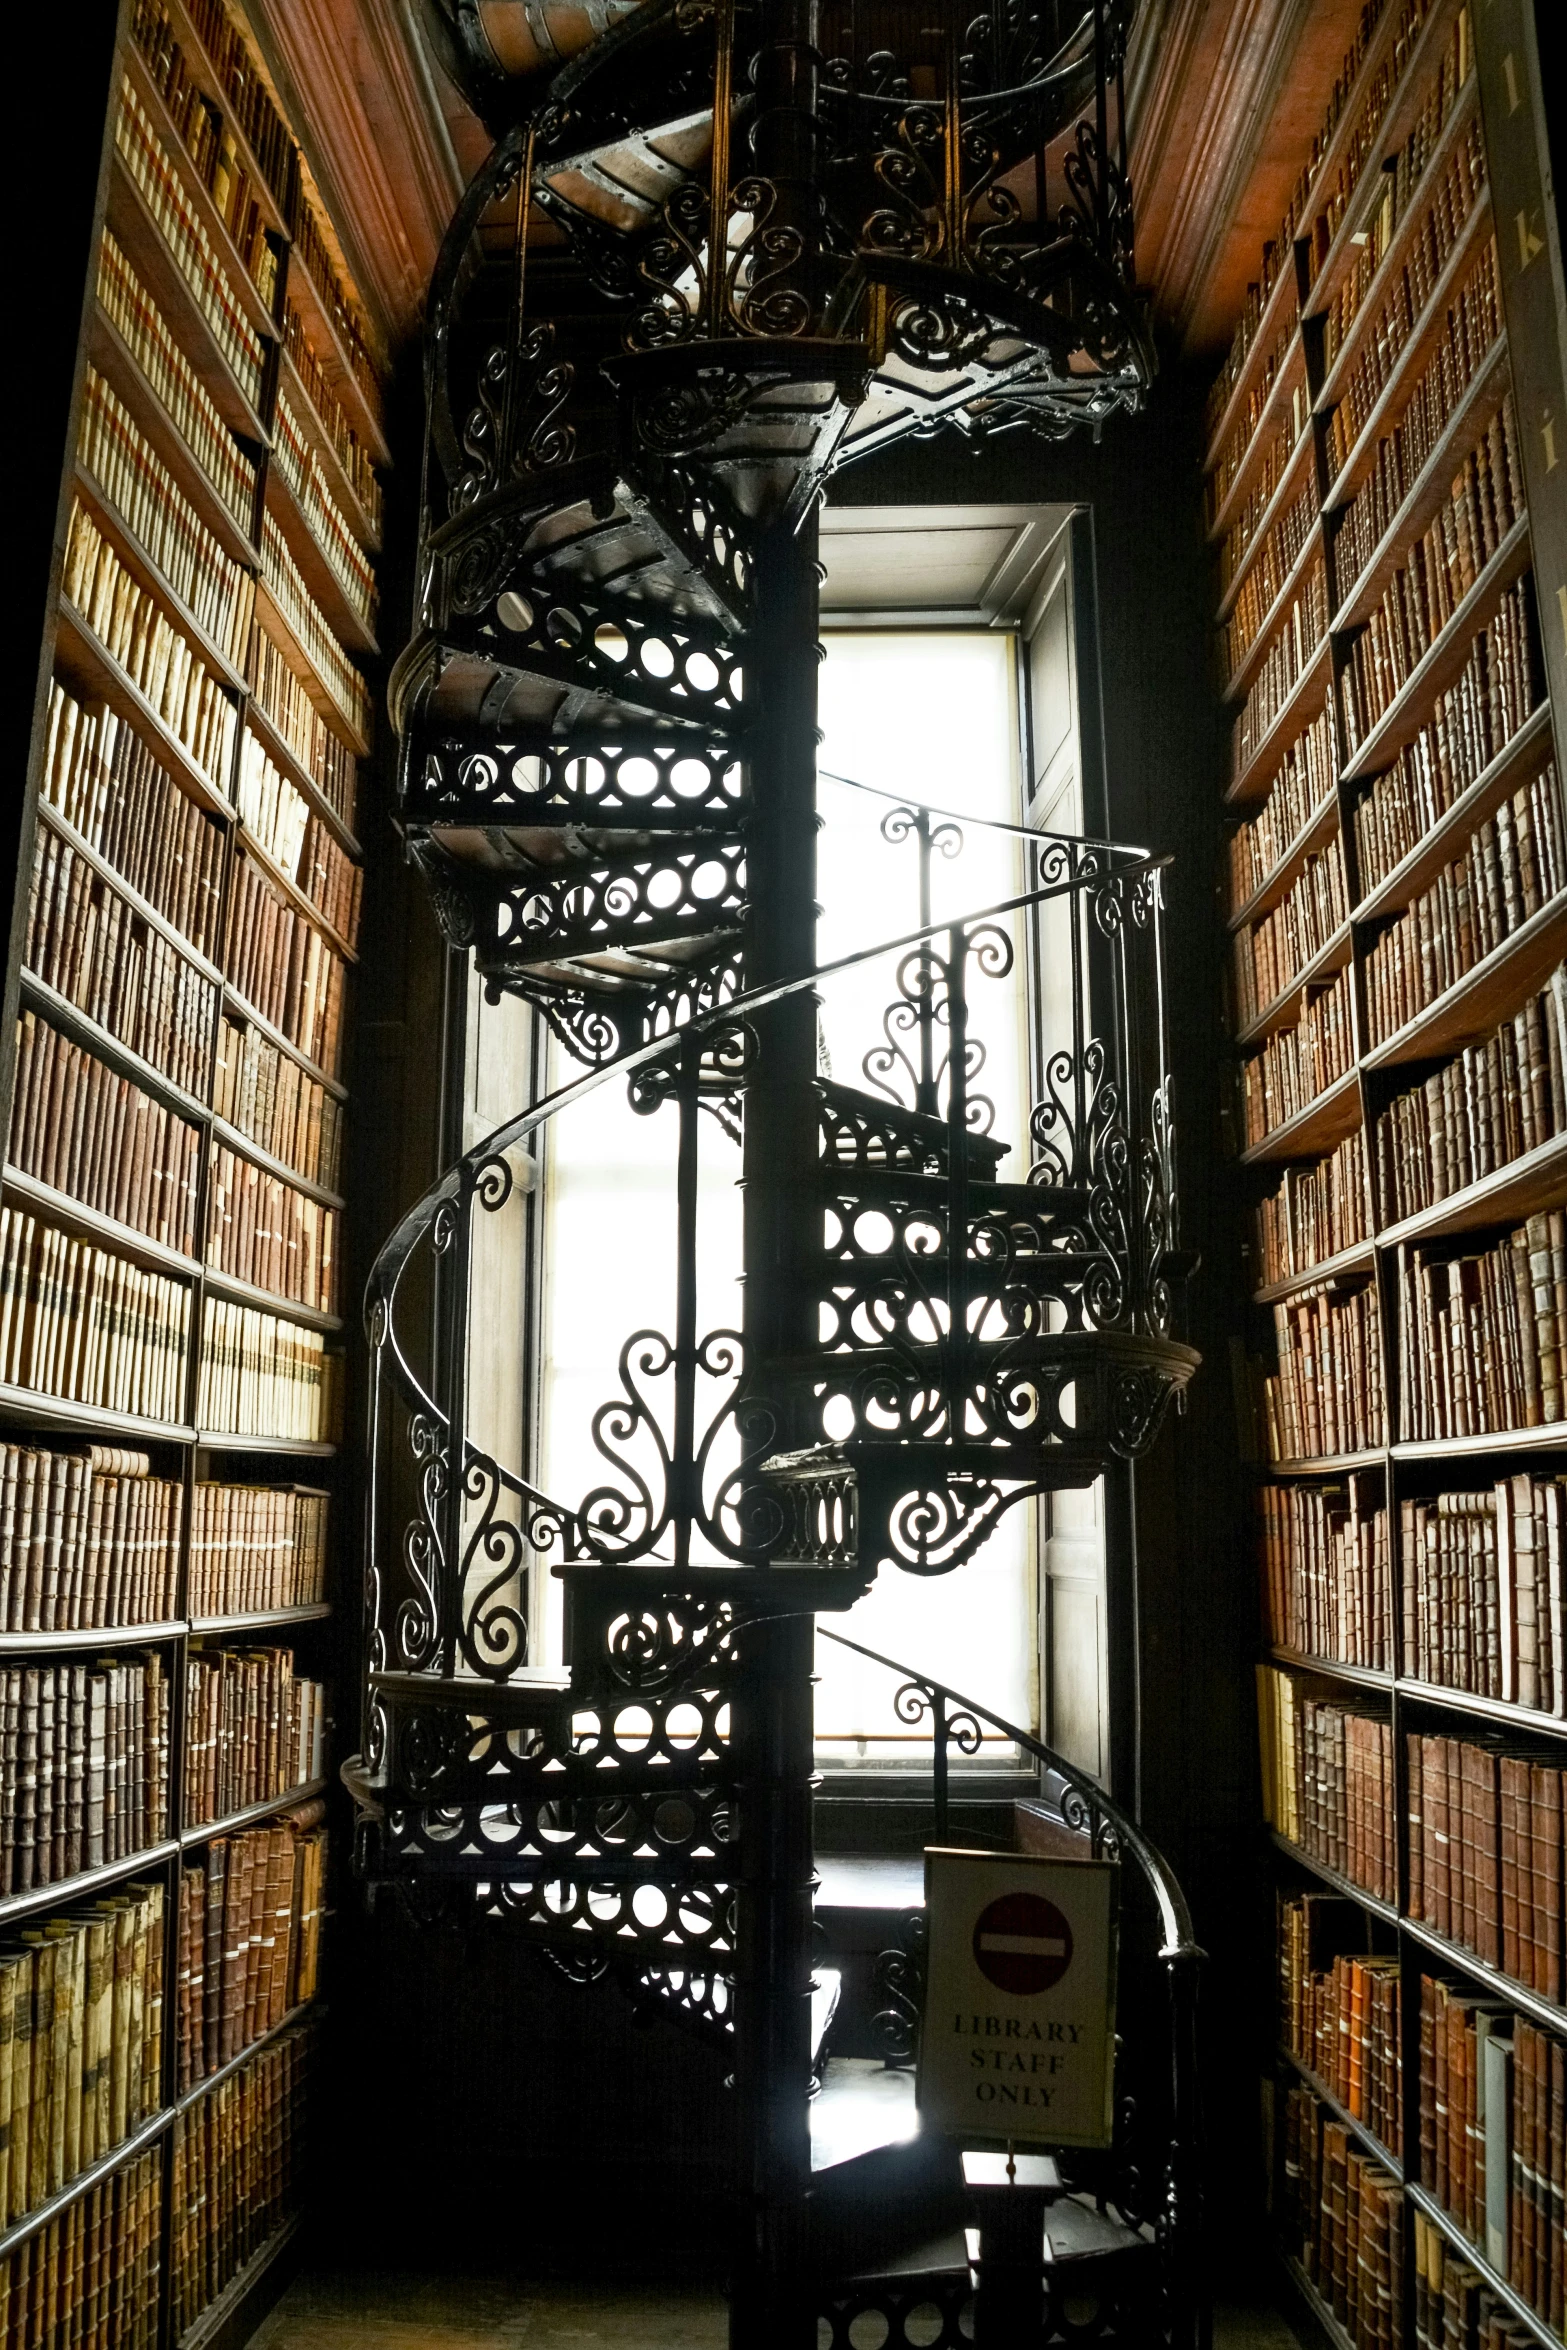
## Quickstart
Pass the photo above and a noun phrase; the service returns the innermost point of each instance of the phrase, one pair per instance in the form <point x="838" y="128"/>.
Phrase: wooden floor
<point x="357" y="2312"/>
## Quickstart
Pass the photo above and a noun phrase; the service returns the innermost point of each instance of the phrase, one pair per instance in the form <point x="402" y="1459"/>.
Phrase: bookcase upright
<point x="1391" y="635"/>
<point x="177" y="983"/>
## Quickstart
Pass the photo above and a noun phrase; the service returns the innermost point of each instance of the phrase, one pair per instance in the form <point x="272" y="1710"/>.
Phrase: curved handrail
<point x="1179" y="1940"/>
<point x="980" y="823"/>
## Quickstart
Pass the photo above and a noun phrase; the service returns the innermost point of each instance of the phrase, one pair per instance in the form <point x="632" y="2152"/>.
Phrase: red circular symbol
<point x="1022" y="1944"/>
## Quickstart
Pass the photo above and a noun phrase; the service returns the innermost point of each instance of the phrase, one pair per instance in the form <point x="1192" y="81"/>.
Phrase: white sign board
<point x="1018" y="2041"/>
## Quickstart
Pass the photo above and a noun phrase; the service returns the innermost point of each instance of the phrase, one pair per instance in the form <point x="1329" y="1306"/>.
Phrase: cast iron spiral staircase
<point x="719" y="248"/>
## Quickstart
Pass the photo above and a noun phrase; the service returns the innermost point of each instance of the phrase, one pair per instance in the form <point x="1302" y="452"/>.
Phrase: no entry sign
<point x="1018" y="2035"/>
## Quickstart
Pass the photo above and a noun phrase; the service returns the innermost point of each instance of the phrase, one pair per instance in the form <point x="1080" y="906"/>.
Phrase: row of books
<point x="1482" y="1592"/>
<point x="264" y="1093"/>
<point x="174" y="213"/>
<point x="1343" y="2217"/>
<point x="1473" y="324"/>
<point x="1277" y="947"/>
<point x="1374" y="97"/>
<point x="1326" y="1572"/>
<point x="1471" y="724"/>
<point x="254" y="1547"/>
<point x="1289" y="654"/>
<point x="254" y="1730"/>
<point x="305" y="617"/>
<point x="1275" y="559"/>
<point x="1493" y="2136"/>
<point x="1398" y="183"/>
<point x="282" y="965"/>
<point x="80" y="1323"/>
<point x="1327" y="1395"/>
<point x="262" y="1376"/>
<point x="1513" y="865"/>
<point x="322" y="755"/>
<point x="1318" y="1211"/>
<point x="294" y="837"/>
<point x="1327" y="1777"/>
<point x="319" y="390"/>
<point x="260" y="1230"/>
<point x="1302" y="781"/>
<point x="1500" y="1098"/>
<point x="1455" y="2309"/>
<point x="86" y="1778"/>
<point x="89" y="944"/>
<point x="238" y="2171"/>
<point x="80" y="1127"/>
<point x="209" y="142"/>
<point x="166" y="670"/>
<point x="311" y="248"/>
<point x="81" y="2042"/>
<point x="95" y="2266"/>
<point x="264" y="129"/>
<point x="175" y="384"/>
<point x="1338" y="2007"/>
<point x="1297" y="1064"/>
<point x="302" y="468"/>
<point x="1439" y="569"/>
<point x="248" y="1940"/>
<point x="1480" y="1336"/>
<point x="1294" y="415"/>
<point x="1485" y="1854"/>
<point x="89" y="1539"/>
<point x="217" y="593"/>
<point x="112" y="790"/>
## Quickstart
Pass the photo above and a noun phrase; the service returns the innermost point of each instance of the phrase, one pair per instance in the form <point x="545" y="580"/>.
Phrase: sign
<point x="1018" y="2039"/>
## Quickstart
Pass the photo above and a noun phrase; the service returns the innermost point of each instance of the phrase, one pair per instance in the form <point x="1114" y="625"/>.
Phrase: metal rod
<point x="682" y="1458"/>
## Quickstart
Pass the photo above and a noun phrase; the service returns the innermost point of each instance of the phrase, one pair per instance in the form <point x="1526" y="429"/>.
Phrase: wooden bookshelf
<point x="1356" y="1515"/>
<point x="110" y="1560"/>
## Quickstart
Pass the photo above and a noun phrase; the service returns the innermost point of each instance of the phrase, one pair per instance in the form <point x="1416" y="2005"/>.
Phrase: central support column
<point x="773" y="1727"/>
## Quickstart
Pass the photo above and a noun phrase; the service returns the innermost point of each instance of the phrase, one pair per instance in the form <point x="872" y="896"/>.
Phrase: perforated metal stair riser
<point x="718" y="252"/>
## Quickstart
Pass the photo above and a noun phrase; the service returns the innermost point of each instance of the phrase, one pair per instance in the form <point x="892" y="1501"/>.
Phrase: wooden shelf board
<point x="1323" y="1122"/>
<point x="1536" y="1180"/>
<point x="129" y="2147"/>
<point x="1475" y="2259"/>
<point x="234" y="2064"/>
<point x="1544" y="2012"/>
<point x="304" y="1448"/>
<point x="339" y="480"/>
<point x="265" y="1619"/>
<point x="130" y="219"/>
<point x="1276" y="409"/>
<point x="65" y="1890"/>
<point x="1327" y="1464"/>
<point x="1516" y="762"/>
<point x="29" y="1403"/>
<point x="249" y="1815"/>
<point x="1340" y="2111"/>
<point x="282" y="632"/>
<point x="189" y="952"/>
<point x="234" y="1138"/>
<point x="1472" y="1006"/>
<point x="153" y="1635"/>
<point x="1328" y="961"/>
<point x="64" y="1015"/>
<point x="61" y="1208"/>
<point x="343" y="615"/>
<point x="1285" y="491"/>
<point x="243" y="1009"/>
<point x="1361" y="1676"/>
<point x="1370" y="1902"/>
<point x="1410" y="707"/>
<point x="1490" y="1709"/>
<point x="89" y="666"/>
<point x="1368" y="199"/>
<point x="296" y="896"/>
<point x="1300" y="705"/>
<point x="1361" y="1258"/>
<point x="1239" y="683"/>
<point x="148" y="576"/>
<point x="246" y="1293"/>
<point x="1319" y="828"/>
<point x="198" y="194"/>
<point x="282" y="754"/>
<point x="1552" y="1438"/>
<point x="205" y="2327"/>
<point x="122" y="371"/>
<point x="1432" y="486"/>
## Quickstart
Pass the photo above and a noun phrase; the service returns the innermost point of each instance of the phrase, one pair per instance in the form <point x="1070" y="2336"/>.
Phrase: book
<point x="1318" y="1210"/>
<point x="266" y="1095"/>
<point x="99" y="2256"/>
<point x="98" y="1138"/>
<point x="87" y="1783"/>
<point x="263" y="1231"/>
<point x="263" y="1891"/>
<point x="1298" y="1063"/>
<point x="1481" y="1334"/>
<point x="254" y="1731"/>
<point x="1343" y="2219"/>
<point x="1495" y="1101"/>
<point x="168" y="200"/>
<point x="82" y="1323"/>
<point x="1339" y="2013"/>
<point x="238" y="2170"/>
<point x="1326" y="1571"/>
<point x="89" y="1538"/>
<point x="1326" y="1396"/>
<point x="1328" y="1781"/>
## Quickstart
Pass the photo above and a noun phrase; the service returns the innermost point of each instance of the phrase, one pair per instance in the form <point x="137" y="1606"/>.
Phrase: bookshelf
<point x="178" y="984"/>
<point x="1388" y="531"/>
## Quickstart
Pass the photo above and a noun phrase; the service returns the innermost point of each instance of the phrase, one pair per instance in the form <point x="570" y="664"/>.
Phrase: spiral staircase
<point x="719" y="249"/>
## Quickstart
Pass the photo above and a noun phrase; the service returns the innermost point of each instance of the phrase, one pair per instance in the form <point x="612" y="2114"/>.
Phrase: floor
<point x="435" y="2313"/>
